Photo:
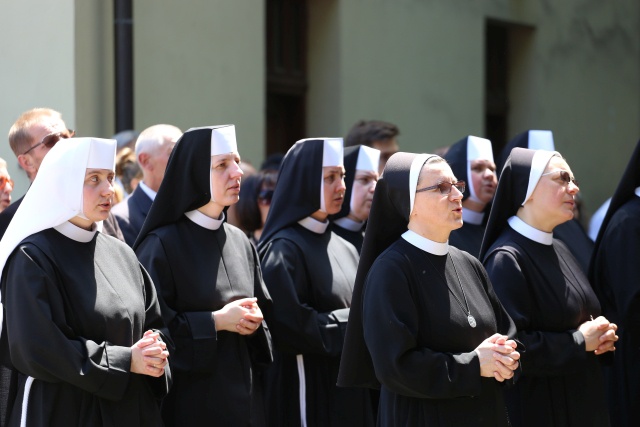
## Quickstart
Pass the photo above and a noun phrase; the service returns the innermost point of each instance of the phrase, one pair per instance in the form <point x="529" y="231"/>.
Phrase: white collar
<point x="529" y="232"/>
<point x="148" y="191"/>
<point x="638" y="191"/>
<point x="76" y="233"/>
<point x="349" y="224"/>
<point x="314" y="225"/>
<point x="472" y="217"/>
<point x="435" y="248"/>
<point x="204" y="221"/>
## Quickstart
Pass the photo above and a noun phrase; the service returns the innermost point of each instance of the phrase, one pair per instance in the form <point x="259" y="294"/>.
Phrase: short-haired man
<point x="31" y="137"/>
<point x="153" y="147"/>
<point x="376" y="134"/>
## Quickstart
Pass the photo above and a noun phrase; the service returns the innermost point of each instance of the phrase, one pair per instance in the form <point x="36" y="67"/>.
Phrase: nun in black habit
<point x="310" y="271"/>
<point x="361" y="168"/>
<point x="82" y="324"/>
<point x="547" y="295"/>
<point x="615" y="275"/>
<point x="471" y="160"/>
<point x="571" y="232"/>
<point x="425" y="324"/>
<point x="209" y="285"/>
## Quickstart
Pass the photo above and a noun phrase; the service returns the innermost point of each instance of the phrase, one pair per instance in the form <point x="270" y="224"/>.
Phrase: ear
<point x="26" y="162"/>
<point x="144" y="161"/>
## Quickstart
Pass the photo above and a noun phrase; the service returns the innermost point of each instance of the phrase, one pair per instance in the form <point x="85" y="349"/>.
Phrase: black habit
<point x="615" y="273"/>
<point x="548" y="296"/>
<point x="310" y="276"/>
<point x="407" y="333"/>
<point x="196" y="271"/>
<point x="72" y="311"/>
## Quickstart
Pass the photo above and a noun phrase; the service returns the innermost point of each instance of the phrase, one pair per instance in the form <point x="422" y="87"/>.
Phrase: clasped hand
<point x="242" y="316"/>
<point x="498" y="357"/>
<point x="599" y="335"/>
<point x="149" y="355"/>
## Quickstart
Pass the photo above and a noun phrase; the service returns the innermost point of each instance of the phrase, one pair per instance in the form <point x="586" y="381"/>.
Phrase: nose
<point x="341" y="185"/>
<point x="572" y="188"/>
<point x="236" y="172"/>
<point x="8" y="188"/>
<point x="372" y="188"/>
<point x="455" y="193"/>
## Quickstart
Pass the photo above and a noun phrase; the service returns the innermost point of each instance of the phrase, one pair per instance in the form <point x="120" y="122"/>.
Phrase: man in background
<point x="31" y="137"/>
<point x="153" y="147"/>
<point x="376" y="134"/>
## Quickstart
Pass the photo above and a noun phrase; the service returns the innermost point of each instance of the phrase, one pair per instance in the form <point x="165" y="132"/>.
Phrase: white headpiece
<point x="538" y="165"/>
<point x="414" y="173"/>
<point x="332" y="155"/>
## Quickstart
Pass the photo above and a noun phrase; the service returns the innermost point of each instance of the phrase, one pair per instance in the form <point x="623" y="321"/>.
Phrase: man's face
<point x="387" y="147"/>
<point x="38" y="132"/>
<point x="161" y="158"/>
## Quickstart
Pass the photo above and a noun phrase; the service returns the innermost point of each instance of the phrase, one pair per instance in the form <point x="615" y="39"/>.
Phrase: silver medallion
<point x="472" y="321"/>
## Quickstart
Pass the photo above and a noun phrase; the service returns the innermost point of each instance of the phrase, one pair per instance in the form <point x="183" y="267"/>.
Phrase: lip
<point x="571" y="203"/>
<point x="458" y="209"/>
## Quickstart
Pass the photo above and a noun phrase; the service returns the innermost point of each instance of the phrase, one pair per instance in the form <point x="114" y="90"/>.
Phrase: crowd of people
<point x="157" y="279"/>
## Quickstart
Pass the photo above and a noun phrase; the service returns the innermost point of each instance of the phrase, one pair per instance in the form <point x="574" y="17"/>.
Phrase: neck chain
<point x="465" y="307"/>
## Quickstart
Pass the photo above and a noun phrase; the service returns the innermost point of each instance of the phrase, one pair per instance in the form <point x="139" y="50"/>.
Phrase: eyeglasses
<point x="445" y="187"/>
<point x="4" y="181"/>
<point x="564" y="176"/>
<point x="52" y="139"/>
<point x="265" y="196"/>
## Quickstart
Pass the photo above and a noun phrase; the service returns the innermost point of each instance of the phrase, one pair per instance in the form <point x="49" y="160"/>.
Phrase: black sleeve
<point x="547" y="353"/>
<point x="260" y="342"/>
<point x="298" y="327"/>
<point x="153" y="320"/>
<point x="47" y="349"/>
<point x="391" y="323"/>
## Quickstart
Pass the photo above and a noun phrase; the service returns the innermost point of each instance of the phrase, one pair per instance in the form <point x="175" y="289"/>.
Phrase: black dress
<point x="197" y="271"/>
<point x="310" y="277"/>
<point x="616" y="269"/>
<point x="72" y="312"/>
<point x="422" y="344"/>
<point x="548" y="297"/>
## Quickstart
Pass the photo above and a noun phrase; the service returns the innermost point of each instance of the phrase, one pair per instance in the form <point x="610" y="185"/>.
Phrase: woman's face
<point x="552" y="202"/>
<point x="484" y="180"/>
<point x="334" y="188"/>
<point x="364" y="185"/>
<point x="225" y="179"/>
<point x="97" y="194"/>
<point x="6" y="188"/>
<point x="434" y="214"/>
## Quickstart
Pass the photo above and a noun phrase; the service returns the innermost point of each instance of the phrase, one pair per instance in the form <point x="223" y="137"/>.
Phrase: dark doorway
<point x="286" y="73"/>
<point x="496" y="84"/>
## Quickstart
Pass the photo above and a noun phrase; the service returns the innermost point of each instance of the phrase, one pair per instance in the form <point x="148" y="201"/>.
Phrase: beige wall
<point x="416" y="63"/>
<point x="201" y="63"/>
<point x="37" y="67"/>
<point x="421" y="65"/>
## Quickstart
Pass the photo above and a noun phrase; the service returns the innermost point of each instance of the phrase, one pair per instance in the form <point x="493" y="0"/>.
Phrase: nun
<point x="547" y="295"/>
<point x="209" y="285"/>
<point x="82" y="324"/>
<point x="425" y="326"/>
<point x="361" y="168"/>
<point x="310" y="271"/>
<point x="570" y="232"/>
<point x="471" y="160"/>
<point x="614" y="274"/>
